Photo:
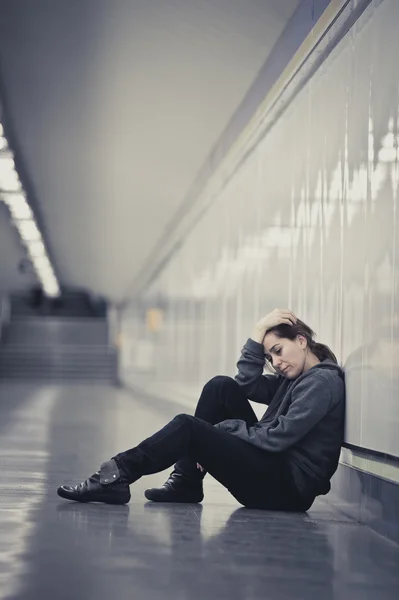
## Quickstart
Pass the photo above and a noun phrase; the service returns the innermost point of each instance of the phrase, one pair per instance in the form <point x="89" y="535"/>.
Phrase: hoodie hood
<point x="329" y="364"/>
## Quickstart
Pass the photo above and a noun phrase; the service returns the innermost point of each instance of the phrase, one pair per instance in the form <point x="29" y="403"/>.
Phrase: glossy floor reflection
<point x="51" y="548"/>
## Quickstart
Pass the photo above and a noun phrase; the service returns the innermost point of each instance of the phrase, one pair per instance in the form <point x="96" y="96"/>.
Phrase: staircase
<point x="57" y="349"/>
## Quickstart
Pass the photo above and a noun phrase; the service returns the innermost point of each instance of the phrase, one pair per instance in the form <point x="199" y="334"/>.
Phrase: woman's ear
<point x="302" y="341"/>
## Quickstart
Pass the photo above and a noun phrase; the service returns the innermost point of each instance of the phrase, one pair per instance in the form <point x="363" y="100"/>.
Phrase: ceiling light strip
<point x="22" y="216"/>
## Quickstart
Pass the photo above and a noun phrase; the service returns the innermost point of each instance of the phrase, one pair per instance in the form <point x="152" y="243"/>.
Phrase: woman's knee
<point x="189" y="421"/>
<point x="194" y="426"/>
<point x="220" y="381"/>
<point x="183" y="418"/>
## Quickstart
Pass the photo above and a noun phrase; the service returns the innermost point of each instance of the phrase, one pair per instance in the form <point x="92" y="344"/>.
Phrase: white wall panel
<point x="309" y="221"/>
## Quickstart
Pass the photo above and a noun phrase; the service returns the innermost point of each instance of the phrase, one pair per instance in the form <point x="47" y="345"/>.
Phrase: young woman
<point x="281" y="462"/>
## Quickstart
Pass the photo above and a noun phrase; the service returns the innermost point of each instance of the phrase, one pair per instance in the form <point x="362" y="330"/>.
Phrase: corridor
<point x="57" y="549"/>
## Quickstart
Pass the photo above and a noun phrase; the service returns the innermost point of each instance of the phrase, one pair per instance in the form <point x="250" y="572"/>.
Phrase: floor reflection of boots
<point x="100" y="525"/>
<point x="183" y="544"/>
<point x="182" y="523"/>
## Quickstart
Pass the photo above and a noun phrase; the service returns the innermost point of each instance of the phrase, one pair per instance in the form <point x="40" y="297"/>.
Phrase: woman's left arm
<point x="312" y="399"/>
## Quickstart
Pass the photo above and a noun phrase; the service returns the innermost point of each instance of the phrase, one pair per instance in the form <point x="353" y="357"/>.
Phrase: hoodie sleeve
<point x="257" y="387"/>
<point x="312" y="399"/>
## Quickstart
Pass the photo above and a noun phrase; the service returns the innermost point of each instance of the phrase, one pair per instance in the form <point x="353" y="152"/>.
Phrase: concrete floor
<point x="50" y="548"/>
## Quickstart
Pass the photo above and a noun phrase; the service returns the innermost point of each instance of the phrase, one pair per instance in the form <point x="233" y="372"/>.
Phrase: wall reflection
<point x="310" y="222"/>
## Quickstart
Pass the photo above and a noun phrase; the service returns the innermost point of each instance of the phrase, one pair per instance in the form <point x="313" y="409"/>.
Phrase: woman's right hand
<point x="277" y="317"/>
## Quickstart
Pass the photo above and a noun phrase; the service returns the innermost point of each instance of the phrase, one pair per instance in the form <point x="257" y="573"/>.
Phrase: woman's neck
<point x="311" y="361"/>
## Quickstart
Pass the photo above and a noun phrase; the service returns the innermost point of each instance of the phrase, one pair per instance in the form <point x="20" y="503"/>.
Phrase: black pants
<point x="255" y="477"/>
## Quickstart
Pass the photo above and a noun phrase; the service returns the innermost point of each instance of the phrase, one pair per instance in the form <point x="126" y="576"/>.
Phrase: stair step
<point x="96" y="374"/>
<point x="57" y="348"/>
<point x="58" y="331"/>
<point x="56" y="364"/>
<point x="50" y="349"/>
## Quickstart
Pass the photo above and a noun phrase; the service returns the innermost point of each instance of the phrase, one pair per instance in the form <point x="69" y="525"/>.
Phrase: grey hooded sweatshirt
<point x="304" y="419"/>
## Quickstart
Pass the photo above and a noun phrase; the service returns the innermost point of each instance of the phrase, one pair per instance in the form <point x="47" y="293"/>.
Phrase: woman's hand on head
<point x="278" y="316"/>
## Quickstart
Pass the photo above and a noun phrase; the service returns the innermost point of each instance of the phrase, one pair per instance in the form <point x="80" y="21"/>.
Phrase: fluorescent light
<point x="18" y="206"/>
<point x="11" y="199"/>
<point x="22" y="215"/>
<point x="51" y="289"/>
<point x="21" y="211"/>
<point x="46" y="276"/>
<point x="7" y="162"/>
<point x="10" y="184"/>
<point x="9" y="180"/>
<point x="50" y="284"/>
<point x="28" y="230"/>
<point x="36" y="249"/>
<point x="42" y="264"/>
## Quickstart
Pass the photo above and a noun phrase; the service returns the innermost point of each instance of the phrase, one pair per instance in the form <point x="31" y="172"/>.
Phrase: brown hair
<point x="322" y="351"/>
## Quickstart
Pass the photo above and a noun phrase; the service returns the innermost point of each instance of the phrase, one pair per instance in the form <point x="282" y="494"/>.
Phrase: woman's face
<point x="287" y="356"/>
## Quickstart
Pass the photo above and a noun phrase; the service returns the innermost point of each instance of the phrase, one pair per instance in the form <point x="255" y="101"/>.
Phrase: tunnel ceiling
<point x="115" y="106"/>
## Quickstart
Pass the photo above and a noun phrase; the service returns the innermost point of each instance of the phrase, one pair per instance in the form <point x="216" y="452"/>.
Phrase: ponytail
<point x="322" y="351"/>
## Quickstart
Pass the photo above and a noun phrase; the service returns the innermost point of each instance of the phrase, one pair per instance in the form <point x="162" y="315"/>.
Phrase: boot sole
<point x="165" y="499"/>
<point x="88" y="498"/>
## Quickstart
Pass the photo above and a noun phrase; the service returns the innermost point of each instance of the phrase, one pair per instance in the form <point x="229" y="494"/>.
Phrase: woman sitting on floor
<point x="281" y="462"/>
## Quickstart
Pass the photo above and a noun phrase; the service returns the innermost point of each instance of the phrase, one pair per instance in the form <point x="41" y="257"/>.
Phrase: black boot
<point x="109" y="485"/>
<point x="176" y="489"/>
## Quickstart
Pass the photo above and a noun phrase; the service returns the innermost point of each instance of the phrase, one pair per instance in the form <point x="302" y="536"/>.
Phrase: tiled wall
<point x="309" y="221"/>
